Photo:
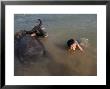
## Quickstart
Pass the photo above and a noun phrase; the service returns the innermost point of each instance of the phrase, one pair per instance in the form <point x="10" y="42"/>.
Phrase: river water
<point x="60" y="28"/>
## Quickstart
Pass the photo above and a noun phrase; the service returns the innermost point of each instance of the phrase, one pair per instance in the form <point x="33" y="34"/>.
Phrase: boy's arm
<point x="79" y="46"/>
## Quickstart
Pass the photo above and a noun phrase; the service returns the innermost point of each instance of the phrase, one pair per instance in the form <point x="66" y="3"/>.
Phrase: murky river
<point x="60" y="28"/>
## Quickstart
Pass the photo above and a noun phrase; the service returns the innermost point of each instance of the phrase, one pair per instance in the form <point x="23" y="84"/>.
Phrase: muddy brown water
<point x="58" y="61"/>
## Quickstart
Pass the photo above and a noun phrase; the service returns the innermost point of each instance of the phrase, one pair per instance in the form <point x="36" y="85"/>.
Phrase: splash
<point x="84" y="42"/>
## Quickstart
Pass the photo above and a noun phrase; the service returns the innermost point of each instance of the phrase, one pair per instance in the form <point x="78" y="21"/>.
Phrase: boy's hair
<point x="70" y="42"/>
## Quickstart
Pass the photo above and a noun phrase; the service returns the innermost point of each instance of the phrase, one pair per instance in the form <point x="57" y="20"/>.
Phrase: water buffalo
<point x="27" y="44"/>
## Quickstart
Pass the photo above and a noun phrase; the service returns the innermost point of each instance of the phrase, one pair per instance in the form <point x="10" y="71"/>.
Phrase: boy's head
<point x="70" y="42"/>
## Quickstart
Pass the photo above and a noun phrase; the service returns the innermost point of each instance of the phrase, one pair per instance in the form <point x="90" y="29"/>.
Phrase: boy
<point x="73" y="44"/>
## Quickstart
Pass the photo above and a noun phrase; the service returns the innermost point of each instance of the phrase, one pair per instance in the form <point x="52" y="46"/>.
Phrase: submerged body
<point x="27" y="47"/>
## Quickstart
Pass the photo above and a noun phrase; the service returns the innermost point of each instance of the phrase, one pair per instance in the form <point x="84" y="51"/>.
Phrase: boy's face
<point x="73" y="46"/>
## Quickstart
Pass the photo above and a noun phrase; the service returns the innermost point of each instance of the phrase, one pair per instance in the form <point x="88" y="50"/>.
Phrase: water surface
<point x="60" y="28"/>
